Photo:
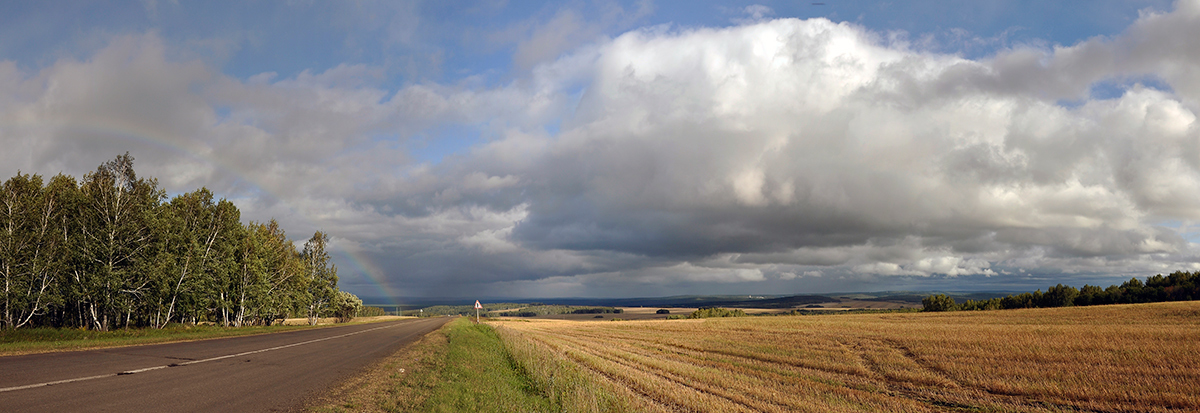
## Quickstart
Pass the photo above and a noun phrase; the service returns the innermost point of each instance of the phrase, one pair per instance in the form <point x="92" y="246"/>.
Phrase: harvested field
<point x="1122" y="358"/>
<point x="640" y="313"/>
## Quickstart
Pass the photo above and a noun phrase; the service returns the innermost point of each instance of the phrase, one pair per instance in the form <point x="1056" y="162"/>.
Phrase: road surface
<point x="269" y="372"/>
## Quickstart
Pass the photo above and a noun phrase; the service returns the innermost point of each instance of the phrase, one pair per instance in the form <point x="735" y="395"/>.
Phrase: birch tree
<point x="33" y="245"/>
<point x="221" y="267"/>
<point x="51" y="230"/>
<point x="269" y="274"/>
<point x="107" y="252"/>
<point x="17" y="196"/>
<point x="195" y="233"/>
<point x="321" y="280"/>
<point x="114" y="222"/>
<point x="284" y="276"/>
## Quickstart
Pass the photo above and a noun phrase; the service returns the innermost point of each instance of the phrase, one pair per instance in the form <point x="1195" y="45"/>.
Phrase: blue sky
<point x="644" y="148"/>
<point x="453" y="42"/>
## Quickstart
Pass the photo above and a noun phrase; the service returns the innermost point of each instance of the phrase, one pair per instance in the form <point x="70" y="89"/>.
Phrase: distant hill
<point x="685" y="301"/>
<point x="689" y="301"/>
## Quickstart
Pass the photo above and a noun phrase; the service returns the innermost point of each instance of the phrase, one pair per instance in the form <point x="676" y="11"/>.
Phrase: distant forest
<point x="1178" y="286"/>
<point x="111" y="251"/>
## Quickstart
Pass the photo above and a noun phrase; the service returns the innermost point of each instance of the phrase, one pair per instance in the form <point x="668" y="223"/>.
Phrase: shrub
<point x="940" y="302"/>
<point x="663" y="311"/>
<point x="345" y="306"/>
<point x="710" y="312"/>
<point x="597" y="310"/>
<point x="371" y="312"/>
<point x="973" y="305"/>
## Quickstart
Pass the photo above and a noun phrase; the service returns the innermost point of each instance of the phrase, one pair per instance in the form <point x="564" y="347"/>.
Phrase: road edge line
<point x="127" y="372"/>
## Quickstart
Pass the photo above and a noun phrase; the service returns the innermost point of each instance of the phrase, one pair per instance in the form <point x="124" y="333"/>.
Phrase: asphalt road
<point x="269" y="372"/>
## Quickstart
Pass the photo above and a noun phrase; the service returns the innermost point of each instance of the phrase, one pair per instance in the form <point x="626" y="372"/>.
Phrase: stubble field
<point x="1122" y="358"/>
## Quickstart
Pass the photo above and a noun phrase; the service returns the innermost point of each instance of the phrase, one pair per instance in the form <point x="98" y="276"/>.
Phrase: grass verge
<point x="479" y="375"/>
<point x="46" y="340"/>
<point x="477" y="368"/>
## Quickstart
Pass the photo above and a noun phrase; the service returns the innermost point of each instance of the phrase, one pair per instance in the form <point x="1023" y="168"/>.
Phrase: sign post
<point x="477" y="307"/>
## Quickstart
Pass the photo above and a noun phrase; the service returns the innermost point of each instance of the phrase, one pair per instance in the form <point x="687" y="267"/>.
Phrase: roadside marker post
<point x="477" y="307"/>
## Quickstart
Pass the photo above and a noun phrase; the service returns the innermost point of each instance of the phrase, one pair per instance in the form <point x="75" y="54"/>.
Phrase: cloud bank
<point x="772" y="156"/>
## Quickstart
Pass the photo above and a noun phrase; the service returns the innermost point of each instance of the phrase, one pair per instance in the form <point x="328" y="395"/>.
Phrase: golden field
<point x="1120" y="358"/>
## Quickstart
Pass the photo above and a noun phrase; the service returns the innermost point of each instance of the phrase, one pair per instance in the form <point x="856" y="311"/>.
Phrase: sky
<point x="643" y="148"/>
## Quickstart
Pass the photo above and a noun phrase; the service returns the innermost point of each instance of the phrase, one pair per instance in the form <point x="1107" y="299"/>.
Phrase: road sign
<point x="478" y="305"/>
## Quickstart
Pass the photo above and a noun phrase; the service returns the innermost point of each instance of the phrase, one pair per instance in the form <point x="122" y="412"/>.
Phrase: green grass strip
<point x="480" y="375"/>
<point x="41" y="340"/>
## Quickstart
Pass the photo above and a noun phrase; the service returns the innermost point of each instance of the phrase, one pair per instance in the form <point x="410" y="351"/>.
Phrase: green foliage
<point x="597" y="310"/>
<point x="1177" y="286"/>
<point x="115" y="224"/>
<point x="320" y="281"/>
<point x="940" y="302"/>
<point x="34" y="245"/>
<point x="110" y="251"/>
<point x="480" y="375"/>
<point x="1059" y="296"/>
<point x="978" y="305"/>
<point x="367" y="311"/>
<point x="345" y="306"/>
<point x="711" y="312"/>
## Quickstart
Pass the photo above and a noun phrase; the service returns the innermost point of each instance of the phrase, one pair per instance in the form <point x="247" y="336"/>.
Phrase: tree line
<point x="110" y="250"/>
<point x="1178" y="286"/>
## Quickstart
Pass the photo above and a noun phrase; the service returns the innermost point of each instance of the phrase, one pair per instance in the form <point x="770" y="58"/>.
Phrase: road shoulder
<point x="399" y="382"/>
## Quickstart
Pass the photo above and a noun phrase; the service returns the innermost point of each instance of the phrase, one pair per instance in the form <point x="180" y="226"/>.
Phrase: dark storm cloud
<point x="781" y="154"/>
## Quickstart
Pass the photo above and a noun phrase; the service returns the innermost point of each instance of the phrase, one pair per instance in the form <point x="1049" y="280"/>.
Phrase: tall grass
<point x="568" y="386"/>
